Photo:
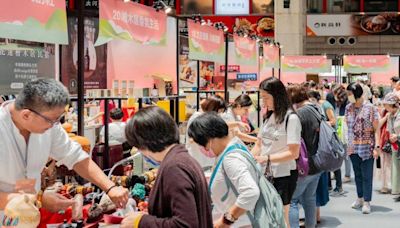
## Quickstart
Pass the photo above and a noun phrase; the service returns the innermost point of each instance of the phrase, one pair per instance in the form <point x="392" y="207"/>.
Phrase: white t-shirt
<point x="229" y="116"/>
<point x="54" y="143"/>
<point x="275" y="139"/>
<point x="194" y="149"/>
<point x="116" y="133"/>
<point x="241" y="173"/>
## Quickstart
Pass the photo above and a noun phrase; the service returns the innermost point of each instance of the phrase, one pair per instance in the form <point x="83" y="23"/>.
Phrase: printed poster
<point x="245" y="50"/>
<point x="206" y="43"/>
<point x="95" y="65"/>
<point x="366" y="63"/>
<point x="131" y="22"/>
<point x="34" y="20"/>
<point x="22" y="61"/>
<point x="306" y="64"/>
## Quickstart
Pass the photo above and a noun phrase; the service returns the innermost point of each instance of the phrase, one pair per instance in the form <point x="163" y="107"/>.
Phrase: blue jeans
<point x="305" y="195"/>
<point x="363" y="173"/>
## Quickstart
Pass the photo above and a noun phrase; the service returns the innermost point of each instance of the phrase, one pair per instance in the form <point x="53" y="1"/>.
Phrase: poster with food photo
<point x="206" y="74"/>
<point x="259" y="25"/>
<point x="187" y="67"/>
<point x="353" y="25"/>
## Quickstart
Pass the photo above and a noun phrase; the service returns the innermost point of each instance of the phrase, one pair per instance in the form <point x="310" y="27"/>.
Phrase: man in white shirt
<point x="30" y="134"/>
<point x="116" y="133"/>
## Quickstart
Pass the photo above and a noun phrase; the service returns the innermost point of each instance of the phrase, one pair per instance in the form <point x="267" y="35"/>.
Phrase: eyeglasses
<point x="52" y="122"/>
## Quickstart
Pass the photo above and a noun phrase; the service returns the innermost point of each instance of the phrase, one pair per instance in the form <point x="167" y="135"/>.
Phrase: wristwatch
<point x="377" y="147"/>
<point x="229" y="219"/>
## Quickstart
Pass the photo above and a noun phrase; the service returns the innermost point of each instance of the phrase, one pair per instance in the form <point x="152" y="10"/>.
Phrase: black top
<point x="180" y="197"/>
<point x="309" y="133"/>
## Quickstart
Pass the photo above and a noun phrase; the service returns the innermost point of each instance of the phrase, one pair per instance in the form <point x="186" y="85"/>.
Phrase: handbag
<point x="268" y="172"/>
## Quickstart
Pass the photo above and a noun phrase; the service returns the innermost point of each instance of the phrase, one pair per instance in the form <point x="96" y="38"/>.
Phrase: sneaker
<point x="366" y="209"/>
<point x="337" y="192"/>
<point x="346" y="180"/>
<point x="357" y="204"/>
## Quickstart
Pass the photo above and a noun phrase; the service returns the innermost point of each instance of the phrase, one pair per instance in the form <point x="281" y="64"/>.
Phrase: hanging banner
<point x="245" y="50"/>
<point x="271" y="56"/>
<point x="206" y="42"/>
<point x="306" y="64"/>
<point x="366" y="63"/>
<point x="34" y="20"/>
<point x="22" y="61"/>
<point x="131" y="22"/>
<point x="95" y="64"/>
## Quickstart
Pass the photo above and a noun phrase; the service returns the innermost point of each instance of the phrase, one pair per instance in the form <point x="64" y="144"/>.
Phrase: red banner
<point x="131" y="22"/>
<point x="231" y="68"/>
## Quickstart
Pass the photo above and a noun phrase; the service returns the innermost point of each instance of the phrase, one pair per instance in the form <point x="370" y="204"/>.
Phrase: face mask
<point x="151" y="161"/>
<point x="208" y="153"/>
<point x="352" y="99"/>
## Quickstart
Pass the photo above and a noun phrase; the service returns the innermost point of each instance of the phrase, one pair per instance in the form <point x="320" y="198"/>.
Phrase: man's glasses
<point x="52" y="122"/>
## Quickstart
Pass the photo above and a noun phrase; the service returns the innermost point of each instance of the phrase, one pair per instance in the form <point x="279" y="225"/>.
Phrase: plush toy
<point x="21" y="212"/>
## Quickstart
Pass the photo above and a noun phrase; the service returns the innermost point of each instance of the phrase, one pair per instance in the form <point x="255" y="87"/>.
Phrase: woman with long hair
<point x="235" y="112"/>
<point x="279" y="140"/>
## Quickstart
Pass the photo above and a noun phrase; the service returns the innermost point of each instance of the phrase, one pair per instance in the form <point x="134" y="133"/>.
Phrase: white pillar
<point x="290" y="25"/>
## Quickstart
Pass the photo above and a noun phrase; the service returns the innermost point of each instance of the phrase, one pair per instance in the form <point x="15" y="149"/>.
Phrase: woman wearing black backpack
<point x="305" y="193"/>
<point x="279" y="140"/>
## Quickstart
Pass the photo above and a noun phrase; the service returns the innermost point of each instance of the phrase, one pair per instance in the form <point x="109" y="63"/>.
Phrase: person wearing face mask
<point x="279" y="140"/>
<point x="212" y="134"/>
<point x="341" y="101"/>
<point x="391" y="103"/>
<point x="238" y="109"/>
<point x="180" y="197"/>
<point x="362" y="120"/>
<point x="216" y="104"/>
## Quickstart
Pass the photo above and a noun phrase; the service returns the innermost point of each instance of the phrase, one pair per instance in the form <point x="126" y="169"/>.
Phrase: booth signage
<point x="231" y="68"/>
<point x="366" y="63"/>
<point x="352" y="24"/>
<point x="131" y="22"/>
<point x="271" y="56"/>
<point x="34" y="20"/>
<point x="206" y="43"/>
<point x="21" y="62"/>
<point x="247" y="77"/>
<point x="245" y="50"/>
<point x="232" y="7"/>
<point x="306" y="64"/>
